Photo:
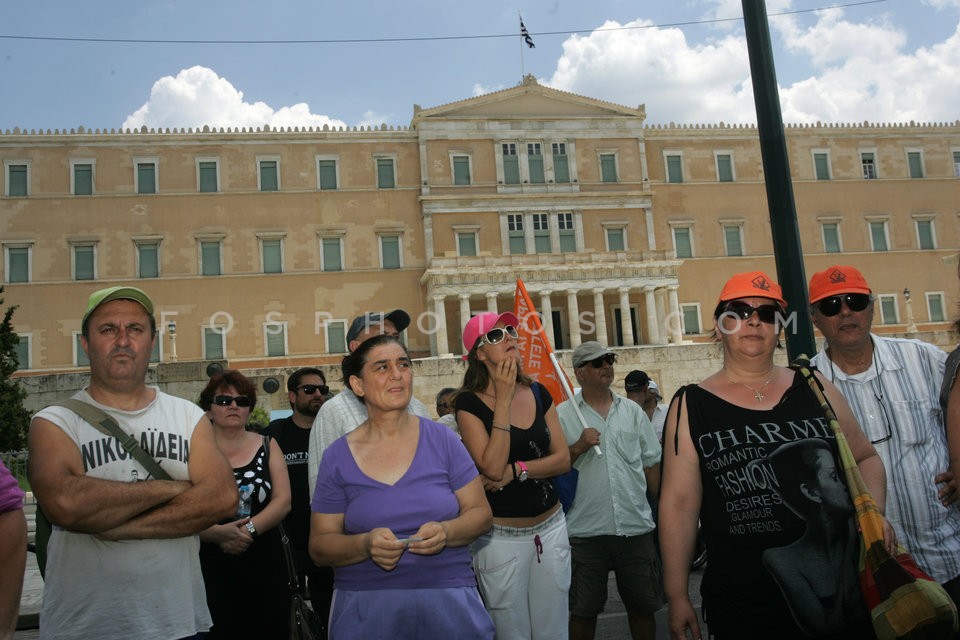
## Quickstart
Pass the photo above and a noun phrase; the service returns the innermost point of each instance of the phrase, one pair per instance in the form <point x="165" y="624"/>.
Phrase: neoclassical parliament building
<point x="259" y="246"/>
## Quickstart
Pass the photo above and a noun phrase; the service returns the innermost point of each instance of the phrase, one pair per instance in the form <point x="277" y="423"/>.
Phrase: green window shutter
<point x="821" y="163"/>
<point x="561" y="168"/>
<point x="724" y="168"/>
<point x="17" y="185"/>
<point x="511" y="164"/>
<point x="208" y="177"/>
<point x="19" y="258"/>
<point x="328" y="174"/>
<point x="915" y="161"/>
<point x="535" y="163"/>
<point x="269" y="180"/>
<point x="467" y="244"/>
<point x="879" y="236"/>
<point x="84" y="262"/>
<point x="691" y="319"/>
<point x="149" y="260"/>
<point x="331" y="255"/>
<point x="731" y="235"/>
<point x="518" y="243"/>
<point x="390" y="248"/>
<point x="22" y="353"/>
<point x="615" y="240"/>
<point x="608" y="167"/>
<point x="272" y="255"/>
<point x="831" y="238"/>
<point x="210" y="258"/>
<point x="213" y="343"/>
<point x="276" y="342"/>
<point x="385" y="177"/>
<point x="146" y="177"/>
<point x="674" y="169"/>
<point x="82" y="359"/>
<point x="83" y="179"/>
<point x="681" y="241"/>
<point x="935" y="303"/>
<point x="925" y="234"/>
<point x="956" y="165"/>
<point x="336" y="338"/>
<point x="461" y="170"/>
<point x="888" y="310"/>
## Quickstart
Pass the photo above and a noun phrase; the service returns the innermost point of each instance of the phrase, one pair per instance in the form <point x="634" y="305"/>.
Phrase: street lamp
<point x="172" y="330"/>
<point x="911" y="325"/>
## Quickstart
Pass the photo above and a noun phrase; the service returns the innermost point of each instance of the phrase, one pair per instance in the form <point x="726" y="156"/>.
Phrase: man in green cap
<point x="122" y="559"/>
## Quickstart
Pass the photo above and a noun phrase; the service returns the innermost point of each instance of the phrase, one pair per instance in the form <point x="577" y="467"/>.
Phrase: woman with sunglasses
<point x="244" y="571"/>
<point x="513" y="434"/>
<point x="764" y="579"/>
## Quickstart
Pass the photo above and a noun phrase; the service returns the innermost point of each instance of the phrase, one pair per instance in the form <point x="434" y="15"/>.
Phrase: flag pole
<point x="567" y="390"/>
<point x="523" y="71"/>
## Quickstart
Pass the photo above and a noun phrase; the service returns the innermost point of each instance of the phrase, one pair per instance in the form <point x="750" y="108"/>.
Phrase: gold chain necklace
<point x="756" y="392"/>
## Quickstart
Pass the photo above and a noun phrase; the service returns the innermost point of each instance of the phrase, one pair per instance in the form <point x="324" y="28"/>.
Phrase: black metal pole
<point x="776" y="167"/>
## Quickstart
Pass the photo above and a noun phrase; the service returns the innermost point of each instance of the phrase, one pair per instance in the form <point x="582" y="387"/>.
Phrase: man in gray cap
<point x="610" y="523"/>
<point x="345" y="411"/>
<point x="124" y="545"/>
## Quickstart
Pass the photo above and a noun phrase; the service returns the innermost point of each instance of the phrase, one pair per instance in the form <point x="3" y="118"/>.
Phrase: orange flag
<point x="535" y="346"/>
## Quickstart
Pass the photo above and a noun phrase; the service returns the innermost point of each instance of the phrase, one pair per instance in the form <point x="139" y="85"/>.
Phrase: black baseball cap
<point x="636" y="380"/>
<point x="399" y="318"/>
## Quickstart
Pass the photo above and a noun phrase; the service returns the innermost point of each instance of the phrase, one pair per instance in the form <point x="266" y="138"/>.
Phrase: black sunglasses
<point x="310" y="389"/>
<point x="855" y="302"/>
<point x="766" y="312"/>
<point x="226" y="401"/>
<point x="602" y="360"/>
<point x="498" y="335"/>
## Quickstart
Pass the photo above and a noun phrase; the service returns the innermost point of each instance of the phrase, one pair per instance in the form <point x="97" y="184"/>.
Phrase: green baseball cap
<point x="97" y="298"/>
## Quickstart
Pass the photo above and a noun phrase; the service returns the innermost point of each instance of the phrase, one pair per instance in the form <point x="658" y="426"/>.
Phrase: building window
<point x="616" y="238"/>
<point x="541" y="233"/>
<point x="682" y="242"/>
<point x="275" y="338"/>
<point x="208" y="176"/>
<point x="336" y="336"/>
<point x="386" y="178"/>
<point x="518" y="243"/>
<point x="461" y="170"/>
<point x="674" y="163"/>
<point x="148" y="259"/>
<point x="331" y="253"/>
<point x="81" y="176"/>
<point x="269" y="175"/>
<point x="915" y="163"/>
<point x="214" y="343"/>
<point x="926" y="239"/>
<point x="18" y="180"/>
<point x="878" y="236"/>
<point x="568" y="235"/>
<point x="535" y="162"/>
<point x="80" y="358"/>
<point x="155" y="350"/>
<point x="935" y="308"/>
<point x="831" y="237"/>
<point x="22" y="351"/>
<point x="821" y="165"/>
<point x="271" y="254"/>
<point x="691" y="318"/>
<point x="511" y="163"/>
<point x="733" y="239"/>
<point x="889" y="314"/>
<point x="956" y="164"/>
<point x="608" y="167"/>
<point x="724" y="167"/>
<point x="327" y="174"/>
<point x="84" y="261"/>
<point x="561" y="164"/>
<point x="18" y="263"/>
<point x="466" y="243"/>
<point x="210" y="260"/>
<point x="145" y="176"/>
<point x="868" y="163"/>
<point x="390" y="257"/>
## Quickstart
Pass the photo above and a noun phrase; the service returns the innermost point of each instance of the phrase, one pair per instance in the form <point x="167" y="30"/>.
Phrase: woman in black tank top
<point x="749" y="453"/>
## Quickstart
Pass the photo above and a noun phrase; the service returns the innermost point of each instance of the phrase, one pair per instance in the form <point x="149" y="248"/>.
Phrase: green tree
<point x="14" y="419"/>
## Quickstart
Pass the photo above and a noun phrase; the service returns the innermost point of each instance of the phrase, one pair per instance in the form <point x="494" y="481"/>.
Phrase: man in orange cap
<point x="892" y="385"/>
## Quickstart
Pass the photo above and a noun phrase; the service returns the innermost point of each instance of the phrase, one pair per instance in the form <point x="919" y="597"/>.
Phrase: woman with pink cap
<point x="512" y="432"/>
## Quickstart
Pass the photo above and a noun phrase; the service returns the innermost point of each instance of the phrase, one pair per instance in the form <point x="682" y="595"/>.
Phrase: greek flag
<point x="526" y="35"/>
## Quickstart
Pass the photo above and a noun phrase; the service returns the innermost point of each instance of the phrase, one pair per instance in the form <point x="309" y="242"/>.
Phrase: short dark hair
<point x="228" y="378"/>
<point x="293" y="382"/>
<point x="444" y="392"/>
<point x="352" y="364"/>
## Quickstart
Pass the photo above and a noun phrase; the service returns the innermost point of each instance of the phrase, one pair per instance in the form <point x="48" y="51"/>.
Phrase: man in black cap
<point x="345" y="412"/>
<point x="635" y="385"/>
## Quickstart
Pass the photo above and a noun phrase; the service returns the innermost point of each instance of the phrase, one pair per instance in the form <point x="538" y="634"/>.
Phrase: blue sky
<point x="686" y="60"/>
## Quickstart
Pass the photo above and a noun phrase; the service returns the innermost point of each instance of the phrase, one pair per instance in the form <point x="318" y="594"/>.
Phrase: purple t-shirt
<point x="425" y="493"/>
<point x="11" y="496"/>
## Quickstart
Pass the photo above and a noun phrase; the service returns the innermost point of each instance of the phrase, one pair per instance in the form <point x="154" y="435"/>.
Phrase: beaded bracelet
<point x="496" y="426"/>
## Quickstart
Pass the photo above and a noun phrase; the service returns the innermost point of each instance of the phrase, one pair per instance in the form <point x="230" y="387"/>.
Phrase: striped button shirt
<point x="896" y="402"/>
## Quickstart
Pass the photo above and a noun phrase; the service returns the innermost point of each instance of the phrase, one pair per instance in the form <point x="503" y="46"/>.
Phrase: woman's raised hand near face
<point x="505" y="378"/>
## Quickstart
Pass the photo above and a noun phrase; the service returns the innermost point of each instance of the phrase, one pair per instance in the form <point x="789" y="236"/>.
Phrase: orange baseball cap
<point x="753" y="284"/>
<point x="835" y="280"/>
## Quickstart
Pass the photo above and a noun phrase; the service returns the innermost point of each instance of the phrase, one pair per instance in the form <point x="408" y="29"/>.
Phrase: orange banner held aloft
<point x="535" y="346"/>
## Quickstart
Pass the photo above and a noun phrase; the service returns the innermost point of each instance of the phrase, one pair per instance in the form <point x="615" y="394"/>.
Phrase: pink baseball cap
<point x="483" y="322"/>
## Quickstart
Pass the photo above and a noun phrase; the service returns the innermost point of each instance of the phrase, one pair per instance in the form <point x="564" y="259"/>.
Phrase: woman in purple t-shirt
<point x="397" y="502"/>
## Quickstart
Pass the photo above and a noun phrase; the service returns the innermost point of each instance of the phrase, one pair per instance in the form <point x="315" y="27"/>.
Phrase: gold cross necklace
<point x="757" y="393"/>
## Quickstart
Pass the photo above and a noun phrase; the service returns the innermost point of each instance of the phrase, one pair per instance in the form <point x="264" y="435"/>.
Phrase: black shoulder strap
<point x="535" y="387"/>
<point x="678" y="398"/>
<point x="108" y="426"/>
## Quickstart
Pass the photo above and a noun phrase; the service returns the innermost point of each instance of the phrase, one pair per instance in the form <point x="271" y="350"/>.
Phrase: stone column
<point x="601" y="317"/>
<point x="464" y="309"/>
<point x="653" y="335"/>
<point x="442" y="342"/>
<point x="492" y="301"/>
<point x="675" y="318"/>
<point x="664" y="330"/>
<point x="626" y="327"/>
<point x="546" y="314"/>
<point x="573" y="318"/>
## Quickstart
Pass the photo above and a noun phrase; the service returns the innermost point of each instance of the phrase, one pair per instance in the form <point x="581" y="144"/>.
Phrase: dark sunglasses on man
<point x="602" y="360"/>
<point x="226" y="401"/>
<point x="832" y="306"/>
<point x="310" y="389"/>
<point x="499" y="334"/>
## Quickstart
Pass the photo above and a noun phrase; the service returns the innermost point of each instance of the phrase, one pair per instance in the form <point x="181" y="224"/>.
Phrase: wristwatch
<point x="252" y="529"/>
<point x="524" y="472"/>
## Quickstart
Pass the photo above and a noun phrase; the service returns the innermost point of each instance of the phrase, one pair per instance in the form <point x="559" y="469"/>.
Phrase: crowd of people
<point x="407" y="523"/>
